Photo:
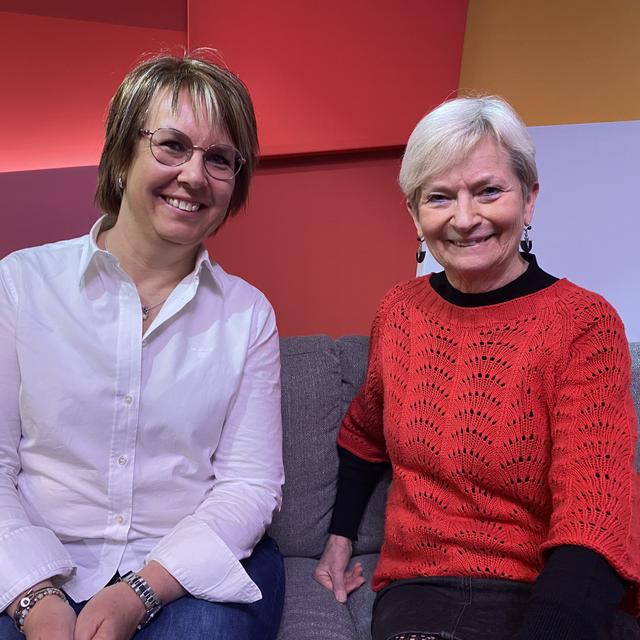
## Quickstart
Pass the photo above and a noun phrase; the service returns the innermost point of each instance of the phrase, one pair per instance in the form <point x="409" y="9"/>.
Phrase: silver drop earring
<point x="526" y="243"/>
<point x="420" y="253"/>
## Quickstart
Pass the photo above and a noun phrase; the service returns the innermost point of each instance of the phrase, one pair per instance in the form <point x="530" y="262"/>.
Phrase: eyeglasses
<point x="173" y="148"/>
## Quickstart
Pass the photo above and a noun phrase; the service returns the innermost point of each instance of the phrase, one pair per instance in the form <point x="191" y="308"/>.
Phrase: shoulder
<point x="408" y="293"/>
<point x="238" y="294"/>
<point x="44" y="262"/>
<point x="592" y="332"/>
<point x="583" y="310"/>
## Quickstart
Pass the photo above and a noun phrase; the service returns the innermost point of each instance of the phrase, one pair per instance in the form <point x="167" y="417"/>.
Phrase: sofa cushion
<point x="310" y="611"/>
<point x="360" y="601"/>
<point x="635" y="388"/>
<point x="311" y="413"/>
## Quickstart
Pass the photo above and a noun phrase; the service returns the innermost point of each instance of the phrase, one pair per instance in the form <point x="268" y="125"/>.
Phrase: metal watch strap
<point x="29" y="600"/>
<point x="150" y="600"/>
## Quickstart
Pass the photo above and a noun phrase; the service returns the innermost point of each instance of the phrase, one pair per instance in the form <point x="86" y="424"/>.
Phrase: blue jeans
<point x="196" y="619"/>
<point x="452" y="608"/>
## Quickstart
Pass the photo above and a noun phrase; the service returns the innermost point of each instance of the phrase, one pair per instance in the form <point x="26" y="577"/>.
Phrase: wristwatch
<point x="150" y="600"/>
<point x="29" y="600"/>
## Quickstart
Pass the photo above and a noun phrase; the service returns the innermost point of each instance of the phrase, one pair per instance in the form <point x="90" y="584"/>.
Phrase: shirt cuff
<point x="199" y="559"/>
<point x="29" y="555"/>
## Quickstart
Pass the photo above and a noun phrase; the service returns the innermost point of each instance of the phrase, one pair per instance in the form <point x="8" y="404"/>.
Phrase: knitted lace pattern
<point x="510" y="429"/>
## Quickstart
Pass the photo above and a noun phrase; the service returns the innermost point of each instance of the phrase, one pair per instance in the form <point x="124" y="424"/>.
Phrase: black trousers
<point x="452" y="608"/>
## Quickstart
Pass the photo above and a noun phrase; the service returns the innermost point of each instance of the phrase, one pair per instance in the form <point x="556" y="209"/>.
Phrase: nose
<point x="464" y="215"/>
<point x="192" y="172"/>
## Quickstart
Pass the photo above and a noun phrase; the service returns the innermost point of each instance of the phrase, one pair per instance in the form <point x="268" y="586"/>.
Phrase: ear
<point x="530" y="202"/>
<point x="414" y="217"/>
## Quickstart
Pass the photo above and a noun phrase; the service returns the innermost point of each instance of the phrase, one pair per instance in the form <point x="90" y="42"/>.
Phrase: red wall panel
<point x="324" y="239"/>
<point x="336" y="75"/>
<point x="60" y="75"/>
<point x="168" y="14"/>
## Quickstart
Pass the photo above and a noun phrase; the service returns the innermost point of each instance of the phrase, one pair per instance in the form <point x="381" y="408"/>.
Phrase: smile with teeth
<point x="472" y="242"/>
<point x="183" y="204"/>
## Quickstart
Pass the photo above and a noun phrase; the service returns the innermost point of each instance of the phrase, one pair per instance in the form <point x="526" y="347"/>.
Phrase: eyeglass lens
<point x="173" y="148"/>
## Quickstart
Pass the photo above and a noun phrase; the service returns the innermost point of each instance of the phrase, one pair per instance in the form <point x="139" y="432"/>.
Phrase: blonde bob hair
<point x="450" y="132"/>
<point x="216" y="94"/>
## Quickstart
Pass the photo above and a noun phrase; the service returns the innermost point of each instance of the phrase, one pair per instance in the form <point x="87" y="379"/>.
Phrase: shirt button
<point x="128" y="399"/>
<point x="122" y="460"/>
<point x="120" y="519"/>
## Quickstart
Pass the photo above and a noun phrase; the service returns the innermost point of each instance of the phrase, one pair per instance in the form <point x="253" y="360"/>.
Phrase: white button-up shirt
<point x="118" y="448"/>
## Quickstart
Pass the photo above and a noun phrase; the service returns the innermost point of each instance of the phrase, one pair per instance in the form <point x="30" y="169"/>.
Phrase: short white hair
<point x="448" y="133"/>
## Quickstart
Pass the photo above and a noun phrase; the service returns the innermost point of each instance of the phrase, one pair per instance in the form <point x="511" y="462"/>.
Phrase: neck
<point x="153" y="264"/>
<point x="479" y="284"/>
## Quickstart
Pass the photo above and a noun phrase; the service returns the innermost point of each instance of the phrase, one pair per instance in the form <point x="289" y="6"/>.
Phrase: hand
<point x="50" y="619"/>
<point x="331" y="570"/>
<point x="112" y="614"/>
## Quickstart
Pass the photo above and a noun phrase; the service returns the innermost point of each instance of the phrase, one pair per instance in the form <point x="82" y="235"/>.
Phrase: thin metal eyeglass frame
<point x="149" y="134"/>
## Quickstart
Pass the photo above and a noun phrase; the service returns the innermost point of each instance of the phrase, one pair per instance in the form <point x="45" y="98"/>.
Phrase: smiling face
<point x="472" y="216"/>
<point x="182" y="205"/>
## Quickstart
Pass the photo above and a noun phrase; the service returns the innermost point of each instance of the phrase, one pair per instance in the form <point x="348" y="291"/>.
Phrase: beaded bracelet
<point x="30" y="599"/>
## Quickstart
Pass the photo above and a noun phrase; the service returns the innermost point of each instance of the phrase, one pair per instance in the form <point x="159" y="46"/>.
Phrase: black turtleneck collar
<point x="532" y="280"/>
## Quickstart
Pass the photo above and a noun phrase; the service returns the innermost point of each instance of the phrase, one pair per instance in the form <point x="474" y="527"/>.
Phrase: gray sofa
<point x="319" y="378"/>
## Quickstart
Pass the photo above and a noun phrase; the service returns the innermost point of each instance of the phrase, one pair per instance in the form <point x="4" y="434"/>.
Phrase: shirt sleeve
<point x="28" y="553"/>
<point x="575" y="596"/>
<point x="357" y="480"/>
<point x="247" y="489"/>
<point x="592" y="476"/>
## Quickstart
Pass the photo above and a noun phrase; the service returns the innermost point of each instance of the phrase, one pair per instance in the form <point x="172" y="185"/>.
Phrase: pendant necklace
<point x="146" y="309"/>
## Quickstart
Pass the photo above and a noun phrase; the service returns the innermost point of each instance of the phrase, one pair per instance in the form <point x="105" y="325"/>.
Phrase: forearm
<point x="357" y="478"/>
<point x="576" y="595"/>
<point x="166" y="587"/>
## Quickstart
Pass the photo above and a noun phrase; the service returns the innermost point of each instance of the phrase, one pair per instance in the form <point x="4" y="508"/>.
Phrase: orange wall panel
<point x="556" y="62"/>
<point x="59" y="76"/>
<point x="336" y="75"/>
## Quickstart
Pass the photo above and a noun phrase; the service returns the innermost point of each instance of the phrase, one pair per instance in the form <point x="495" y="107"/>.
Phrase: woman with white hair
<point x="500" y="397"/>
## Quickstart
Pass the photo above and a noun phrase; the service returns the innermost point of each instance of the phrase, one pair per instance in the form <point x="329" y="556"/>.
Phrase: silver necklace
<point x="146" y="309"/>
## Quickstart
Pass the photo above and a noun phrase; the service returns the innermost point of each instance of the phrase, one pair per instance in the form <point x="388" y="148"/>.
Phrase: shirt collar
<point x="91" y="250"/>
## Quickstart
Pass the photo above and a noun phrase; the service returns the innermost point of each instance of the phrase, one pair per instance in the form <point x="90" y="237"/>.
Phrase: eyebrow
<point x="482" y="180"/>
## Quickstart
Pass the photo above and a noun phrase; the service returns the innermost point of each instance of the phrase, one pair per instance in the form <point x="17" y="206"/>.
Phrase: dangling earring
<point x="120" y="183"/>
<point x="420" y="253"/>
<point x="526" y="243"/>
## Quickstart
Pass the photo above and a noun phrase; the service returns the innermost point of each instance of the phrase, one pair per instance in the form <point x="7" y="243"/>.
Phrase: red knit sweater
<point x="510" y="430"/>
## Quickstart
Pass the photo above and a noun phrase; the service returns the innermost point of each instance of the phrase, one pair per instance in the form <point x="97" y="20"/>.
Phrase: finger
<point x="355" y="583"/>
<point x="354" y="578"/>
<point x="339" y="589"/>
<point x="85" y="629"/>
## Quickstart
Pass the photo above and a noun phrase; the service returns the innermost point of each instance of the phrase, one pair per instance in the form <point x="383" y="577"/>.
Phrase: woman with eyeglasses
<point x="140" y="437"/>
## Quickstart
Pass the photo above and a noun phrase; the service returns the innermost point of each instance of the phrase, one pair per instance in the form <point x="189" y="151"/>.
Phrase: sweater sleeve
<point x="575" y="596"/>
<point x="361" y="432"/>
<point x="592" y="476"/>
